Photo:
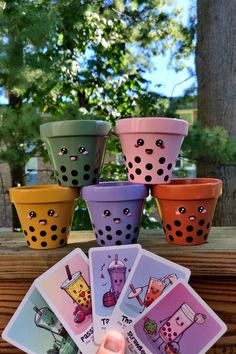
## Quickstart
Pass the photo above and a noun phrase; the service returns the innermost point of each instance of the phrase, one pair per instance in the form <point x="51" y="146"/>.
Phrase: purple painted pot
<point x="115" y="210"/>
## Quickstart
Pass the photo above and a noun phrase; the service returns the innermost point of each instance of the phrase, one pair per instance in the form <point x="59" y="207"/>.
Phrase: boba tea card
<point x="150" y="276"/>
<point x="109" y="268"/>
<point x="66" y="289"/>
<point x="35" y="329"/>
<point x="178" y="322"/>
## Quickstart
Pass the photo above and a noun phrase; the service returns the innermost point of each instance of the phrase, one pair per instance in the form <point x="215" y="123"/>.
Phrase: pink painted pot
<point x="150" y="146"/>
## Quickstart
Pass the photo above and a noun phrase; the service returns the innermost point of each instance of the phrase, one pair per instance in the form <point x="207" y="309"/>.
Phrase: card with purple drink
<point x="109" y="269"/>
<point x="179" y="322"/>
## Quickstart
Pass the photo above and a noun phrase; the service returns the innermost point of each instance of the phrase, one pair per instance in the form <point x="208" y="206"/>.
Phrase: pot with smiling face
<point x="187" y="208"/>
<point x="45" y="213"/>
<point x="76" y="150"/>
<point x="115" y="210"/>
<point x="150" y="146"/>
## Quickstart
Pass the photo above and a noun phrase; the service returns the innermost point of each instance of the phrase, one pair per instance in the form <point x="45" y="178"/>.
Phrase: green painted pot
<point x="76" y="149"/>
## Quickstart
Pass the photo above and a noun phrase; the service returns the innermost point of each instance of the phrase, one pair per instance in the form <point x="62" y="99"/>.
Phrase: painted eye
<point x="82" y="149"/>
<point x="140" y="142"/>
<point x="64" y="151"/>
<point x="107" y="212"/>
<point x="159" y="143"/>
<point x="32" y="214"/>
<point x="51" y="212"/>
<point x="182" y="210"/>
<point x="201" y="209"/>
<point x="126" y="211"/>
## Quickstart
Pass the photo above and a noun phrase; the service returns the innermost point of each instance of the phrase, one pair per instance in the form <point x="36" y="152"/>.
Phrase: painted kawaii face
<point x="64" y="151"/>
<point x="108" y="214"/>
<point x="191" y="215"/>
<point x="146" y="146"/>
<point x="42" y="221"/>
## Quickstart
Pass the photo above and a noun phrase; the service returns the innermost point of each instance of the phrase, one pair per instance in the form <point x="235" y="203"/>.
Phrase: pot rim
<point x="75" y="128"/>
<point x="152" y="125"/>
<point x="188" y="189"/>
<point x="44" y="193"/>
<point x="114" y="191"/>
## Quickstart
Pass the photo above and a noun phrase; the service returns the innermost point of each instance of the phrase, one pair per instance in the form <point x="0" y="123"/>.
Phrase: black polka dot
<point x="118" y="243"/>
<point x="25" y="232"/>
<point x="63" y="168"/>
<point x="28" y="243"/>
<point x="149" y="166"/>
<point x="86" y="176"/>
<point x="43" y="244"/>
<point x="135" y="230"/>
<point x="74" y="173"/>
<point x="189" y="239"/>
<point x="109" y="237"/>
<point x="102" y="242"/>
<point x="127" y="236"/>
<point x="205" y="236"/>
<point x="65" y="178"/>
<point x="177" y="223"/>
<point x="179" y="233"/>
<point x="124" y="157"/>
<point x="94" y="180"/>
<point x="166" y="178"/>
<point x="34" y="238"/>
<point x="129" y="227"/>
<point x="199" y="232"/>
<point x="86" y="167"/>
<point x="31" y="228"/>
<point x="138" y="171"/>
<point x="131" y="176"/>
<point x="208" y="225"/>
<point x="201" y="222"/>
<point x="95" y="170"/>
<point x="62" y="241"/>
<point x="171" y="238"/>
<point x="148" y="178"/>
<point x="130" y="164"/>
<point x="160" y="172"/>
<point x="137" y="159"/>
<point x="100" y="232"/>
<point x="53" y="227"/>
<point x="134" y="240"/>
<point x="168" y="227"/>
<point x="43" y="233"/>
<point x="108" y="228"/>
<point x="162" y="160"/>
<point x="54" y="237"/>
<point x="75" y="182"/>
<point x="96" y="235"/>
<point x="169" y="166"/>
<point x="63" y="230"/>
<point x="189" y="228"/>
<point x="119" y="232"/>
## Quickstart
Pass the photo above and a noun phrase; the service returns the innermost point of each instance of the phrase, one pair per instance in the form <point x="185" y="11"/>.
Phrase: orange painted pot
<point x="45" y="213"/>
<point x="187" y="207"/>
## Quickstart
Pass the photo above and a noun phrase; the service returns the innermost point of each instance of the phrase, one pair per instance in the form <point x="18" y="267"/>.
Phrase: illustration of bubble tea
<point x="117" y="272"/>
<point x="154" y="290"/>
<point x="45" y="318"/>
<point x="179" y="322"/>
<point x="78" y="289"/>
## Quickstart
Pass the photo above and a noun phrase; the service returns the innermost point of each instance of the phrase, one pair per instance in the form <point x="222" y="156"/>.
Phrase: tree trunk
<point x="216" y="73"/>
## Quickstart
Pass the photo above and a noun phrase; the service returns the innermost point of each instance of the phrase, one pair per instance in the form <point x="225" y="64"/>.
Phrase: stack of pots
<point x="150" y="147"/>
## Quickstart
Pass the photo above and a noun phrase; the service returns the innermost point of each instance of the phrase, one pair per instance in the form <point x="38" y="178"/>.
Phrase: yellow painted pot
<point x="45" y="213"/>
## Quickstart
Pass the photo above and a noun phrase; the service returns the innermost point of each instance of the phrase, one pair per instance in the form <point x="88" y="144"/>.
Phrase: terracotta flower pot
<point x="115" y="210"/>
<point x="150" y="147"/>
<point x="187" y="208"/>
<point x="76" y="149"/>
<point x="45" y="213"/>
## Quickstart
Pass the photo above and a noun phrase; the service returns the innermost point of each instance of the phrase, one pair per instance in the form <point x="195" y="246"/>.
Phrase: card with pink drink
<point x="179" y="322"/>
<point x="66" y="289"/>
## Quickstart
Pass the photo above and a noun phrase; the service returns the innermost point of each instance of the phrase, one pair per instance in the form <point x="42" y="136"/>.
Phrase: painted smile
<point x="149" y="151"/>
<point x="73" y="158"/>
<point x="116" y="220"/>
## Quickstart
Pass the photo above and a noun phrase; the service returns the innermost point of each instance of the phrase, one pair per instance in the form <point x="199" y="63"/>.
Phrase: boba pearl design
<point x="190" y="224"/>
<point x="149" y="159"/>
<point x="77" y="162"/>
<point x="40" y="229"/>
